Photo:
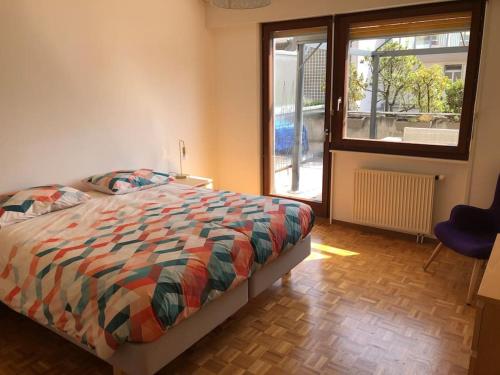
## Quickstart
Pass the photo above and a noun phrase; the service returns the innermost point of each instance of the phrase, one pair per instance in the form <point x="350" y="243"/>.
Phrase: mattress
<point x="126" y="268"/>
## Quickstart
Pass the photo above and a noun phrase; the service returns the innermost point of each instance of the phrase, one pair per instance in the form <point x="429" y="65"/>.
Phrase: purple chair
<point x="470" y="231"/>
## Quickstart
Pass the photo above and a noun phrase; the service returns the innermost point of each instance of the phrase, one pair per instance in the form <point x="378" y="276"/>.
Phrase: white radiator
<point x="394" y="200"/>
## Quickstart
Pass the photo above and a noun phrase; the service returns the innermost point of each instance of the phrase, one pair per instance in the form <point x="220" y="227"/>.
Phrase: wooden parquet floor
<point x="360" y="304"/>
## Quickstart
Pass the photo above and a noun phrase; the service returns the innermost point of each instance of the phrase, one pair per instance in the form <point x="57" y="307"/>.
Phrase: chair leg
<point x="433" y="256"/>
<point x="475" y="279"/>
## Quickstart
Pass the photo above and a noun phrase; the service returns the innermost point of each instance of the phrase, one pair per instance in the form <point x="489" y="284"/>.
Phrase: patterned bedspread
<point x="126" y="268"/>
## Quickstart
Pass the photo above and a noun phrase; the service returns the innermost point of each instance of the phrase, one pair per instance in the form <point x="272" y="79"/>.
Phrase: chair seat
<point x="471" y="244"/>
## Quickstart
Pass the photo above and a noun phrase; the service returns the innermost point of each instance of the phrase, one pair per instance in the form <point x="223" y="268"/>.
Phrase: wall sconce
<point x="182" y="155"/>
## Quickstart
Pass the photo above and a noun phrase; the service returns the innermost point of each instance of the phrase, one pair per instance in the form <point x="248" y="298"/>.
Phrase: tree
<point x="455" y="96"/>
<point x="405" y="84"/>
<point x="393" y="73"/>
<point x="428" y="85"/>
<point x="357" y="87"/>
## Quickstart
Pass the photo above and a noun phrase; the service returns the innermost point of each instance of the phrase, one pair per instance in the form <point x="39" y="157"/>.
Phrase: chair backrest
<point x="495" y="206"/>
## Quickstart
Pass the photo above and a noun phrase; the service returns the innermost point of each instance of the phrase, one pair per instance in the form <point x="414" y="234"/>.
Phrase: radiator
<point x="394" y="200"/>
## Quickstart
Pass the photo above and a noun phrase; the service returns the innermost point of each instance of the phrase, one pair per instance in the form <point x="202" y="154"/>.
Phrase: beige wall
<point x="94" y="85"/>
<point x="236" y="113"/>
<point x="292" y="9"/>
<point x="88" y="86"/>
<point x="486" y="158"/>
<point x="237" y="83"/>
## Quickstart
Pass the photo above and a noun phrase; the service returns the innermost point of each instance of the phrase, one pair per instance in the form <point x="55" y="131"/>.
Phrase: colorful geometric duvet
<point x="126" y="268"/>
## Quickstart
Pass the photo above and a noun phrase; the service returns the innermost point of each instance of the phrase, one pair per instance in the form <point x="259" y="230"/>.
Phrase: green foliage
<point x="357" y="87"/>
<point x="455" y="96"/>
<point x="404" y="82"/>
<point x="393" y="73"/>
<point x="313" y="102"/>
<point x="428" y="84"/>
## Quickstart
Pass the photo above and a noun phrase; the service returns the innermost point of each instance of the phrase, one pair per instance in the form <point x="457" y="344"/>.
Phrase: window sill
<point x="398" y="156"/>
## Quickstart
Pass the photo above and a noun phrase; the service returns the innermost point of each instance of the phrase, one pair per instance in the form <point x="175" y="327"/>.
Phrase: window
<point x="453" y="72"/>
<point x="409" y="79"/>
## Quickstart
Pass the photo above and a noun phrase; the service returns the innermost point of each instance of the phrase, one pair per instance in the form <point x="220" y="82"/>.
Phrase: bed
<point x="136" y="279"/>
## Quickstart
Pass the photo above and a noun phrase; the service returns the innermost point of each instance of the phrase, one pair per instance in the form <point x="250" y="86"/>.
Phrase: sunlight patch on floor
<point x="333" y="250"/>
<point x="316" y="255"/>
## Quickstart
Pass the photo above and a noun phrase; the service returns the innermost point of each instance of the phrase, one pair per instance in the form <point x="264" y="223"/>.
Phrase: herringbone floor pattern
<point x="368" y="310"/>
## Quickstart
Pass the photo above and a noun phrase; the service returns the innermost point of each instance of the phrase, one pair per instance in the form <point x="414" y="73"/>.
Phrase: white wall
<point x="450" y="191"/>
<point x="88" y="86"/>
<point x="237" y="83"/>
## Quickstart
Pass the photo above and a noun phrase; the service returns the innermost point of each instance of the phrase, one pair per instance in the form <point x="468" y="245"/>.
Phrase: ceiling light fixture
<point x="241" y="4"/>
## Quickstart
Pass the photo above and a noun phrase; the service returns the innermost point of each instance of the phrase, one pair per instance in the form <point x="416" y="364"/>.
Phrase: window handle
<point x="327" y="135"/>
<point x="339" y="104"/>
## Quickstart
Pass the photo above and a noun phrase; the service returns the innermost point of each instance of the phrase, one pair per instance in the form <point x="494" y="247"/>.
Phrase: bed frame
<point x="149" y="358"/>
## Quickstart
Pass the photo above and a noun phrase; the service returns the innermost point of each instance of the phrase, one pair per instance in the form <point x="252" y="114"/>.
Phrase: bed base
<point x="149" y="358"/>
<point x="279" y="268"/>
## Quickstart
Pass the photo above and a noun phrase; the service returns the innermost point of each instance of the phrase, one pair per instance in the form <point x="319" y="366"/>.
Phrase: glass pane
<point x="299" y="115"/>
<point x="407" y="88"/>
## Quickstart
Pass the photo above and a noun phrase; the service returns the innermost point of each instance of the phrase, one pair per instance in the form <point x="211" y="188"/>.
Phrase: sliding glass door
<point x="296" y="110"/>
